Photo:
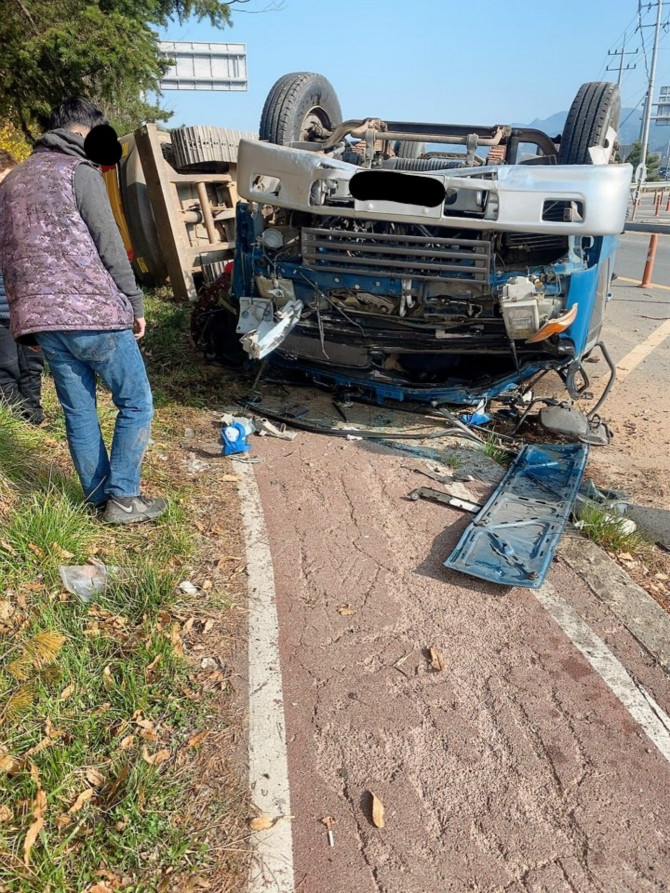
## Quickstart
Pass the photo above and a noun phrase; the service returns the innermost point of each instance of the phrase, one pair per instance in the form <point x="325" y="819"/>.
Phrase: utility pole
<point x="641" y="172"/>
<point x="622" y="52"/>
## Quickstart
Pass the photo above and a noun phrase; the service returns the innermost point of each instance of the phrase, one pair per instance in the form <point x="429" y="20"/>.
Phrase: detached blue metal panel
<point x="513" y="539"/>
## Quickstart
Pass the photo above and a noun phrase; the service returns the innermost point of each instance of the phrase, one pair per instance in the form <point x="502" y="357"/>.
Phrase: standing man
<point x="20" y="367"/>
<point x="72" y="291"/>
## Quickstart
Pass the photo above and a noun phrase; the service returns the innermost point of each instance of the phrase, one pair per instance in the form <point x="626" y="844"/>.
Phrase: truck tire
<point x="596" y="109"/>
<point x="301" y="107"/>
<point x="149" y="264"/>
<point x="205" y="149"/>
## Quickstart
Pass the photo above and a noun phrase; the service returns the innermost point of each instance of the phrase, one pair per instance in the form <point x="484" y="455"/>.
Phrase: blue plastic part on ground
<point x="513" y="538"/>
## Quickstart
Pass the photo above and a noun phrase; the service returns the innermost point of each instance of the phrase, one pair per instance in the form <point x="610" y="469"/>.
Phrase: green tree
<point x="653" y="161"/>
<point x="105" y="50"/>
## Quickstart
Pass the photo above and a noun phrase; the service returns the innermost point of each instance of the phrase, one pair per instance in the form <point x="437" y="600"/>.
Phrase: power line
<point x="622" y="52"/>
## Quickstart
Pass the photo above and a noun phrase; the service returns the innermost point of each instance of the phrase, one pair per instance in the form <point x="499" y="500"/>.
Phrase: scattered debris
<point x="346" y="610"/>
<point x="377" y="811"/>
<point x="265" y="821"/>
<point x="568" y="421"/>
<point x="195" y="465"/>
<point x="87" y="580"/>
<point x="264" y="427"/>
<point x="467" y="505"/>
<point x="188" y="588"/>
<point x="329" y="822"/>
<point x="235" y="434"/>
<point x="398" y="664"/>
<point x="436" y="659"/>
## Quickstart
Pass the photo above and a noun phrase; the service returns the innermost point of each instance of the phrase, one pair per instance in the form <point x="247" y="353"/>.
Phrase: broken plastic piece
<point x="554" y="326"/>
<point x="569" y="421"/>
<point x="265" y="427"/>
<point x="513" y="539"/>
<point x="234" y="438"/>
<point x="86" y="580"/>
<point x="261" y="341"/>
<point x="475" y="418"/>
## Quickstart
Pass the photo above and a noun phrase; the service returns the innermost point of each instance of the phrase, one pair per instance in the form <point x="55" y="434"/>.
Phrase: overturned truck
<point x="431" y="262"/>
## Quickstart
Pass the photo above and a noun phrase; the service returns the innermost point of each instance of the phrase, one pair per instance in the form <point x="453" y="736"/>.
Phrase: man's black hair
<point x="75" y="110"/>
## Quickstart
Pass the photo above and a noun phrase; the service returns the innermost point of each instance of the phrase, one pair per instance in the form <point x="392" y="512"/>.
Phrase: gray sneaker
<point x="133" y="509"/>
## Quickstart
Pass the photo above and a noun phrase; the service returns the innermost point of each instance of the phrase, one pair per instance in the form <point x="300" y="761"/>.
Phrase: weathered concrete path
<point x="515" y="768"/>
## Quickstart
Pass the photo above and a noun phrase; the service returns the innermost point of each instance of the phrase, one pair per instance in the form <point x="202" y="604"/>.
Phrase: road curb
<point x="643" y="617"/>
<point x="662" y="228"/>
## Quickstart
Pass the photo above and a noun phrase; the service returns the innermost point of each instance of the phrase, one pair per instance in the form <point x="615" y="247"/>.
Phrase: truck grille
<point x="410" y="257"/>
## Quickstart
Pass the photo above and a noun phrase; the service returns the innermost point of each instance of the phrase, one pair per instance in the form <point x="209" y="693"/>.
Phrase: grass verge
<point x="104" y="714"/>
<point x="608" y="530"/>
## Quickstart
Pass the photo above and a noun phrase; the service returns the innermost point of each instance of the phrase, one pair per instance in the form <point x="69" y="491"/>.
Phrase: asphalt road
<point x="632" y="255"/>
<point x="511" y="767"/>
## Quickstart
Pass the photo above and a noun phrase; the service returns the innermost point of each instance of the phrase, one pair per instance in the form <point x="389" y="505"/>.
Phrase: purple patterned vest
<point x="54" y="278"/>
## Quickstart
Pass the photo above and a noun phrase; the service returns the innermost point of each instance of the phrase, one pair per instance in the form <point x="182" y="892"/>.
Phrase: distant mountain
<point x="631" y="119"/>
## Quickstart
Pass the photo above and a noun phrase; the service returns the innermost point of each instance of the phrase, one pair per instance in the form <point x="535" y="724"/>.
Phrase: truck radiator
<point x="396" y="256"/>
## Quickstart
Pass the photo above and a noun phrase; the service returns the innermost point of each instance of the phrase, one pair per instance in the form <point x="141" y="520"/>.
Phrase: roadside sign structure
<point x="662" y="116"/>
<point x="204" y="66"/>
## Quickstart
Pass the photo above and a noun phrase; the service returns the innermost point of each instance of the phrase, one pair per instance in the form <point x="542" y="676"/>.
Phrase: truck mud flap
<point x="513" y="539"/>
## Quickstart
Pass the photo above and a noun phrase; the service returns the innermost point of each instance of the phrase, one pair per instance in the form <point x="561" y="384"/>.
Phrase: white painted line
<point x="272" y="868"/>
<point x="642" y="351"/>
<point x="641" y="706"/>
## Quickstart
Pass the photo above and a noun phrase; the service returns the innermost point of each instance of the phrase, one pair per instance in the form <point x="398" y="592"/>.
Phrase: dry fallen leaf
<point x="7" y="763"/>
<point x="208" y="625"/>
<point x="107" y="678"/>
<point x="100" y="888"/>
<point x="40" y="554"/>
<point x="31" y="837"/>
<point x="207" y="584"/>
<point x="157" y="758"/>
<point x="83" y="798"/>
<point x="39" y="808"/>
<point x="148" y="735"/>
<point x="175" y="639"/>
<point x="626" y="556"/>
<point x="127" y="742"/>
<point x="5" y="814"/>
<point x="436" y="659"/>
<point x="65" y="694"/>
<point x="149" y="671"/>
<point x="93" y="777"/>
<point x="6" y="609"/>
<point x="262" y="822"/>
<point x="196" y="740"/>
<point x="4" y="545"/>
<point x="346" y="610"/>
<point x="229" y="478"/>
<point x="62" y="821"/>
<point x="38" y="748"/>
<point x="377" y="811"/>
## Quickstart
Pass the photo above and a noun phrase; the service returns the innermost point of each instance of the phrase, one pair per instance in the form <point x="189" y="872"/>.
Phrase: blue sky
<point x="483" y="62"/>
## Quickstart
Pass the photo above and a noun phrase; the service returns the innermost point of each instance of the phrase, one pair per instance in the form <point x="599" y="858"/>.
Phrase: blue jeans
<point x="75" y="358"/>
